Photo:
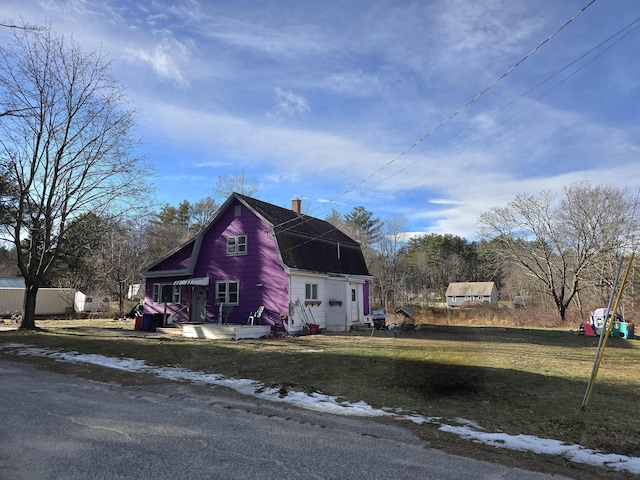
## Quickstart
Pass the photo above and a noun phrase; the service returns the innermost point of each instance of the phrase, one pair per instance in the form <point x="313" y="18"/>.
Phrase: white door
<point x="336" y="307"/>
<point x="198" y="304"/>
<point x="354" y="304"/>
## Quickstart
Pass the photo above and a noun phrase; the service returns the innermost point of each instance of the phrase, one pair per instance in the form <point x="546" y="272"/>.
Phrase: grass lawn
<point x="511" y="380"/>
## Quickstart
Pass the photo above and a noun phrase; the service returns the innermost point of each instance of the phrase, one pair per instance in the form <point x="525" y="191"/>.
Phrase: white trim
<point x="204" y="281"/>
<point x="236" y="245"/>
<point x="226" y="300"/>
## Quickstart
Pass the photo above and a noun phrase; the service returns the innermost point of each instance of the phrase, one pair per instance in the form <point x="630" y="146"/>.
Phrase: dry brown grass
<point x="493" y="316"/>
<point x="513" y="380"/>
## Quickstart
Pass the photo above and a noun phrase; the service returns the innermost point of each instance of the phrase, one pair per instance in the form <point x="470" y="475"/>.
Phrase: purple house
<point x="253" y="254"/>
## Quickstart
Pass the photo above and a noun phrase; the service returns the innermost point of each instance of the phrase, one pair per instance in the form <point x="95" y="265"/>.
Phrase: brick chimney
<point x="296" y="204"/>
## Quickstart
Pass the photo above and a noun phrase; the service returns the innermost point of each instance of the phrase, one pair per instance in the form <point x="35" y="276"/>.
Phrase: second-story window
<point x="236" y="245"/>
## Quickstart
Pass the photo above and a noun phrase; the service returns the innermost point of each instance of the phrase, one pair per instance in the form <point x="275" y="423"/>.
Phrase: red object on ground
<point x="588" y="330"/>
<point x="313" y="328"/>
<point x="138" y="324"/>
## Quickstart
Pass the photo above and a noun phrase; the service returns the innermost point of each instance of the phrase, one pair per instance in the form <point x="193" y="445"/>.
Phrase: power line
<point x="467" y="104"/>
<point x="454" y="114"/>
<point x="532" y="89"/>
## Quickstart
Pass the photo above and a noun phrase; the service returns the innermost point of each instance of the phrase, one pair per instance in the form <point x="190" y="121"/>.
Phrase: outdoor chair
<point x="255" y="316"/>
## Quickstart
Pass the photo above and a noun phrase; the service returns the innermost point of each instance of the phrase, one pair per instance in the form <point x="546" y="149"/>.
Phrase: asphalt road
<point x="62" y="427"/>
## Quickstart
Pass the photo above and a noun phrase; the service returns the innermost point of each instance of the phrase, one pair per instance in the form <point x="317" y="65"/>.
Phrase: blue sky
<point x="347" y="103"/>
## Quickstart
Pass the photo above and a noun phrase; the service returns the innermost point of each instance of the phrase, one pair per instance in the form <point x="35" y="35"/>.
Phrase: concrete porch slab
<point x="230" y="332"/>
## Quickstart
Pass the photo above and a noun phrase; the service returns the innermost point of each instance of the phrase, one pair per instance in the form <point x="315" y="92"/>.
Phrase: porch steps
<point x="221" y="332"/>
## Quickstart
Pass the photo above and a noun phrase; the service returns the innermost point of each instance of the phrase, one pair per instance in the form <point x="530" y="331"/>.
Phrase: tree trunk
<point x="121" y="298"/>
<point x="29" y="308"/>
<point x="562" y="310"/>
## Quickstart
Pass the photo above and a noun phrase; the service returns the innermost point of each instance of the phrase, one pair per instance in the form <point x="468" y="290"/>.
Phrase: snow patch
<point x="320" y="402"/>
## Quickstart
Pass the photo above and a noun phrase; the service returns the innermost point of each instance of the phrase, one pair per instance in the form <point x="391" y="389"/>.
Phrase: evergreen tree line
<point x="580" y="256"/>
<point x="415" y="270"/>
<point x="105" y="253"/>
<point x="558" y="251"/>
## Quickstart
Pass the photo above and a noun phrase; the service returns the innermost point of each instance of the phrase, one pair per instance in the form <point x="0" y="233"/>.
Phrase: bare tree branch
<point x="564" y="241"/>
<point x="69" y="151"/>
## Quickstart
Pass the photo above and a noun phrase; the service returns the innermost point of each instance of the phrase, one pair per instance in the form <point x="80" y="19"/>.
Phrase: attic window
<point x="238" y="210"/>
<point x="236" y="245"/>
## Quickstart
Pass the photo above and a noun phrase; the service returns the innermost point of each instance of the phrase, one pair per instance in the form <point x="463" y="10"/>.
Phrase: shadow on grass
<point x="499" y="399"/>
<point x="562" y="338"/>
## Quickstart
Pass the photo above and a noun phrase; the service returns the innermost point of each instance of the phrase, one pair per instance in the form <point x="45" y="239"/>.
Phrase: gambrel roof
<point x="308" y="243"/>
<point x="304" y="242"/>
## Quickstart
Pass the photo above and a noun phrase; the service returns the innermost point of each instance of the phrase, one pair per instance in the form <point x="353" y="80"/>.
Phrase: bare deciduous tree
<point x="240" y="182"/>
<point x="561" y="240"/>
<point x="387" y="266"/>
<point x="201" y="212"/>
<point x="67" y="147"/>
<point x="118" y="260"/>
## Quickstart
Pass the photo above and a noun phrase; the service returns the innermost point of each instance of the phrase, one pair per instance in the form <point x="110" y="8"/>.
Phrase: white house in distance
<point x="471" y="292"/>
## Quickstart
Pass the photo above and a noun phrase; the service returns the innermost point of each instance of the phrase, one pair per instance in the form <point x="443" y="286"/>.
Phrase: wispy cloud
<point x="354" y="83"/>
<point x="163" y="60"/>
<point x="328" y="98"/>
<point x="289" y="103"/>
<point x="467" y="27"/>
<point x="255" y="35"/>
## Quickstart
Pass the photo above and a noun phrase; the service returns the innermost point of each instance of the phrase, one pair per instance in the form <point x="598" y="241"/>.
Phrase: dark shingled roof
<point x="308" y="243"/>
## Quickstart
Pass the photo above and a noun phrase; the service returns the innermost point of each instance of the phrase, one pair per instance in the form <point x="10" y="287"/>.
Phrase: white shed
<point x="50" y="301"/>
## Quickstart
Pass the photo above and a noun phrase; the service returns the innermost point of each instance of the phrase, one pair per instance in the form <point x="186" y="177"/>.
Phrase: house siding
<point x="49" y="301"/>
<point x="285" y="250"/>
<point x="366" y="302"/>
<point x="472" y="292"/>
<point x="355" y="312"/>
<point x="330" y="288"/>
<point x="179" y="260"/>
<point x="312" y="313"/>
<point x="260" y="266"/>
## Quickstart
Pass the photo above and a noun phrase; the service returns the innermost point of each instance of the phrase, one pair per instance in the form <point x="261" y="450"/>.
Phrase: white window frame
<point x="236" y="245"/>
<point x="156" y="297"/>
<point x="226" y="296"/>
<point x="311" y="291"/>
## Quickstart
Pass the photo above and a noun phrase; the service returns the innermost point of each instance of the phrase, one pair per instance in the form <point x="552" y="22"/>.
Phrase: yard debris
<point x="408" y="314"/>
<point x="406" y="311"/>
